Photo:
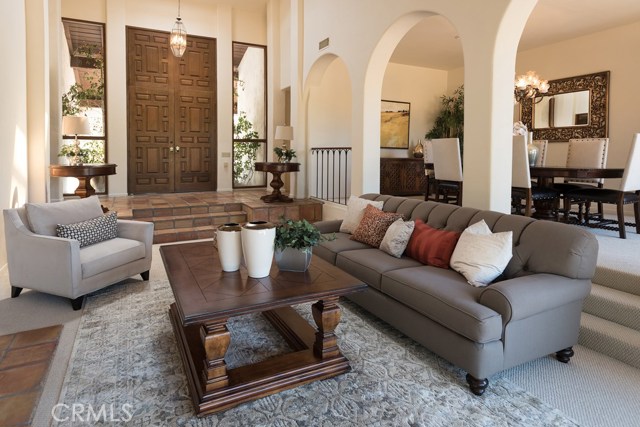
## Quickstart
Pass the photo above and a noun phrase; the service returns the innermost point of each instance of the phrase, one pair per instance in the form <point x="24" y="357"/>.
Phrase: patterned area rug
<point x="125" y="358"/>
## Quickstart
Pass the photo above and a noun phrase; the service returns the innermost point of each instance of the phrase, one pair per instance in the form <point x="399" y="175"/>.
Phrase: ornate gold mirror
<point x="574" y="107"/>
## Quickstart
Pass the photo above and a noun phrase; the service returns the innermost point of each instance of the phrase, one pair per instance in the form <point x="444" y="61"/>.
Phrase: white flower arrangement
<point x="519" y="128"/>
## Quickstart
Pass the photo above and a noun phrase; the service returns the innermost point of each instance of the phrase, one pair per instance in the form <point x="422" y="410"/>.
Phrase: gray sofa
<point x="532" y="310"/>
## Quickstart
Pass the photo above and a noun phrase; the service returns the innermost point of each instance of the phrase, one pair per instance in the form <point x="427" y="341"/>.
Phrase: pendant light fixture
<point x="178" y="38"/>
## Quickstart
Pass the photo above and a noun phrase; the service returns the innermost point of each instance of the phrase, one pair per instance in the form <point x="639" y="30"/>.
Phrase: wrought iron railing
<point x="331" y="174"/>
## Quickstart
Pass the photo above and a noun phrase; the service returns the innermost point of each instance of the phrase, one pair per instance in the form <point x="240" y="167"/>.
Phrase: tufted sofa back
<point x="538" y="246"/>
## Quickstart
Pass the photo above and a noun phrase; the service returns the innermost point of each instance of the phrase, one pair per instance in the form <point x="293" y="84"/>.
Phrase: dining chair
<point x="541" y="145"/>
<point x="627" y="193"/>
<point x="583" y="153"/>
<point x="447" y="165"/>
<point x="521" y="188"/>
<point x="427" y="149"/>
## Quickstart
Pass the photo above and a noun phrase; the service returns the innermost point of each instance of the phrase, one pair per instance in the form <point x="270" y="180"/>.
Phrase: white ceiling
<point x="433" y="43"/>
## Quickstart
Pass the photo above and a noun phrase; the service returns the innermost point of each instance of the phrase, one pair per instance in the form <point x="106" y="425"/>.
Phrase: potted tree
<point x="450" y="121"/>
<point x="293" y="243"/>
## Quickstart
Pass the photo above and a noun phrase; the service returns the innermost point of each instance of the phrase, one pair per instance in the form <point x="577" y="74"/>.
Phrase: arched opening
<point x="329" y="130"/>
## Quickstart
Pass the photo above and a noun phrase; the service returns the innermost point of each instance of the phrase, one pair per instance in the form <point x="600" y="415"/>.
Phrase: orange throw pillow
<point x="431" y="246"/>
<point x="373" y="226"/>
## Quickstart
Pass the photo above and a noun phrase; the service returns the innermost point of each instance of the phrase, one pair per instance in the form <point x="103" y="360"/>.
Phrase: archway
<point x="328" y="99"/>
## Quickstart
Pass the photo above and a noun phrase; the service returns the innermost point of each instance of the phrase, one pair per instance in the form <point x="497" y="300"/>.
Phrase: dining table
<point x="545" y="175"/>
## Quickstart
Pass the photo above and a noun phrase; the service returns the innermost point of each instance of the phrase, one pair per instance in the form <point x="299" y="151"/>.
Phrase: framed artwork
<point x="394" y="124"/>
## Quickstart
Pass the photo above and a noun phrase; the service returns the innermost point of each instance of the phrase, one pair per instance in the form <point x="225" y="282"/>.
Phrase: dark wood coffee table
<point x="206" y="297"/>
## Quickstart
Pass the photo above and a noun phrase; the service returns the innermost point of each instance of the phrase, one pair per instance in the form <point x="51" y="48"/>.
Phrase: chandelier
<point x="178" y="38"/>
<point x="529" y="86"/>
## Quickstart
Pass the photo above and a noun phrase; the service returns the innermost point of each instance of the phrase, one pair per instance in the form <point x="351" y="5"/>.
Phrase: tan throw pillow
<point x="374" y="225"/>
<point x="355" y="210"/>
<point x="396" y="238"/>
<point x="480" y="255"/>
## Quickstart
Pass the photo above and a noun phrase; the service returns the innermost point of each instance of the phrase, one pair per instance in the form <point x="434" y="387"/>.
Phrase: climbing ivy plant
<point x="245" y="153"/>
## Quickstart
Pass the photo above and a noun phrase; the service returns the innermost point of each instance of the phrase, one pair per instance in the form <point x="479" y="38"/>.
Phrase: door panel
<point x="171" y="114"/>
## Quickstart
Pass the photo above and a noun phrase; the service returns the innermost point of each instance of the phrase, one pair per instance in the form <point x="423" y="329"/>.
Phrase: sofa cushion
<point x="397" y="237"/>
<point x="373" y="226"/>
<point x="109" y="254"/>
<point x="431" y="246"/>
<point x="445" y="297"/>
<point x="328" y="249"/>
<point x="43" y="217"/>
<point x="355" y="211"/>
<point x="480" y="255"/>
<point x="368" y="264"/>
<point x="91" y="231"/>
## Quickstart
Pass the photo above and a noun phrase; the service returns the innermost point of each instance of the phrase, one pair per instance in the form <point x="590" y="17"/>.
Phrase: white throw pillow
<point x="397" y="237"/>
<point x="355" y="211"/>
<point x="480" y="255"/>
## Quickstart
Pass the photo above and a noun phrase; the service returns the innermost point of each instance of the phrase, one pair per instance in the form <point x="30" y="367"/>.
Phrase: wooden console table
<point x="277" y="169"/>
<point x="402" y="176"/>
<point x="84" y="173"/>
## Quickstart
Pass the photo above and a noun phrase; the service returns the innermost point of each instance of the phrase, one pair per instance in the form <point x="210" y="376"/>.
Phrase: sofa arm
<point x="141" y="231"/>
<point x="525" y="296"/>
<point x="46" y="263"/>
<point x="331" y="226"/>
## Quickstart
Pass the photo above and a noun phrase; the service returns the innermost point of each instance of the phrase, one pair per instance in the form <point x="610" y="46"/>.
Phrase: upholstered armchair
<point x="38" y="259"/>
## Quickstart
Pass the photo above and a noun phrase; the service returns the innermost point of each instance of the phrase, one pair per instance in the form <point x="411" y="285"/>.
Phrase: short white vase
<point x="257" y="246"/>
<point x="229" y="246"/>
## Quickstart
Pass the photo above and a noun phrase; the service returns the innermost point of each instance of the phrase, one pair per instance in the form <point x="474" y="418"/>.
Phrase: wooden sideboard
<point x="402" y="176"/>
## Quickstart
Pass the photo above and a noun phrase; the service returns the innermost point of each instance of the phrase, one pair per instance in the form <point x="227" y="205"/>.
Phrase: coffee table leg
<point x="215" y="339"/>
<point x="326" y="314"/>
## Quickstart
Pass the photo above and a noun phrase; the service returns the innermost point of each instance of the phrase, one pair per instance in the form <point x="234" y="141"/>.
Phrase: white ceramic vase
<point x="229" y="246"/>
<point x="257" y="246"/>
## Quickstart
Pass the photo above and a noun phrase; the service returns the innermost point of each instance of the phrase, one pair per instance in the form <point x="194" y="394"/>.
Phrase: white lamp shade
<point x="284" y="133"/>
<point x="75" y="125"/>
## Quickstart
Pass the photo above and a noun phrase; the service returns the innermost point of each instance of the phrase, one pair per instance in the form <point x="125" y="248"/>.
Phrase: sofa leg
<point x="77" y="303"/>
<point x="15" y="291"/>
<point x="476" y="385"/>
<point x="565" y="355"/>
<point x="145" y="275"/>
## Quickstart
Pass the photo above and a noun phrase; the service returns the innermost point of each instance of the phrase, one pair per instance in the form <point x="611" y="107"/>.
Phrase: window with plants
<point x="249" y="114"/>
<point x="84" y="95"/>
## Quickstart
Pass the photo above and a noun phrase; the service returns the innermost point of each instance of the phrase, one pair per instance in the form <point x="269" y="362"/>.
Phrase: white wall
<point x="13" y="115"/>
<point x="422" y="87"/>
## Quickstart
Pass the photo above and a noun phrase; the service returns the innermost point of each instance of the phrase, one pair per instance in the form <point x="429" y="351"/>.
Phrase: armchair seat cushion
<point x="109" y="254"/>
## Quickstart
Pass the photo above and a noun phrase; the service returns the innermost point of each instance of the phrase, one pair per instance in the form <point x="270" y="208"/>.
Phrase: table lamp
<point x="284" y="133"/>
<point x="75" y="125"/>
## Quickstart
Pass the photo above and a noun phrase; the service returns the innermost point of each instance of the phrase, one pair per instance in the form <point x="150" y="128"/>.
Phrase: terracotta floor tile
<point x="22" y="379"/>
<point x="17" y="410"/>
<point x="26" y="355"/>
<point x="36" y="336"/>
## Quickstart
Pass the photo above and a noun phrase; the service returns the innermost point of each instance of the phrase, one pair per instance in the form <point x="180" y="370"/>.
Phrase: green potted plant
<point x="293" y="243"/>
<point x="450" y="121"/>
<point x="284" y="154"/>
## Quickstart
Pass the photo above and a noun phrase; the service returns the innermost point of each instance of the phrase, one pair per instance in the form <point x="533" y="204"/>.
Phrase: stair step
<point x="195" y="220"/>
<point x="181" y="235"/>
<point x="611" y="339"/>
<point x="617" y="279"/>
<point x="614" y="305"/>
<point x="198" y="209"/>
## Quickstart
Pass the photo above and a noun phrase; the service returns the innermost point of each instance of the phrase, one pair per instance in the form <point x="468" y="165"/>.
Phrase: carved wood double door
<point x="171" y="114"/>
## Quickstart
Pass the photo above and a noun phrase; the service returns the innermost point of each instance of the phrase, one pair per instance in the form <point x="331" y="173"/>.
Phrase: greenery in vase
<point x="300" y="234"/>
<point x="450" y="121"/>
<point x="88" y="151"/>
<point x="284" y="154"/>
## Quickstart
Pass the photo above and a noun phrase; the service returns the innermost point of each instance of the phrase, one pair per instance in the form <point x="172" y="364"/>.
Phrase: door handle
<point x="177" y="148"/>
<point x="171" y="148"/>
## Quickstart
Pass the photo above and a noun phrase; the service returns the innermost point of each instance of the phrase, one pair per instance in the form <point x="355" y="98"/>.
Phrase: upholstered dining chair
<point x="541" y="145"/>
<point x="521" y="188"/>
<point x="447" y="165"/>
<point x="583" y="153"/>
<point x="427" y="149"/>
<point x="628" y="193"/>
